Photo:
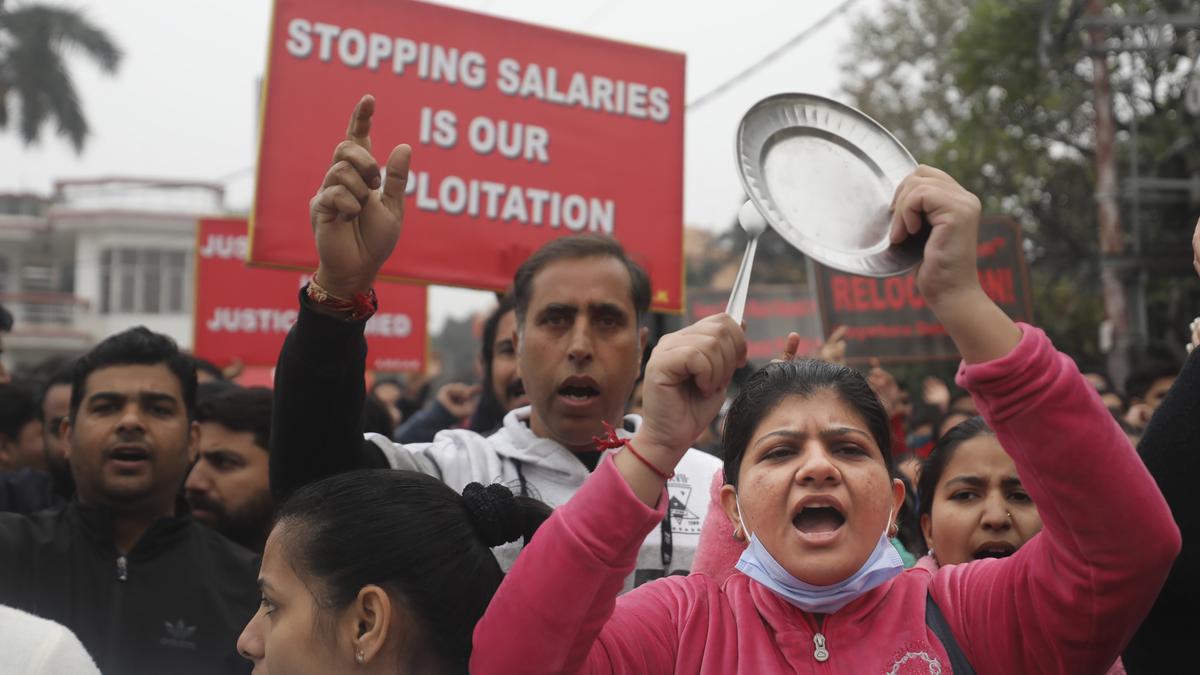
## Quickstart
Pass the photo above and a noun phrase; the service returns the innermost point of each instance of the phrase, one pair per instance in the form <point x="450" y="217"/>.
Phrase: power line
<point x="779" y="51"/>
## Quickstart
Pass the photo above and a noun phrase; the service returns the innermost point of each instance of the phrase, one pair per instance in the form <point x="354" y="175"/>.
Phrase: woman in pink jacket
<point x="820" y="588"/>
<point x="972" y="502"/>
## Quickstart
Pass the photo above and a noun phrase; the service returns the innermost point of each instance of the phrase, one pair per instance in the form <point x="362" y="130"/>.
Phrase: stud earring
<point x="360" y="657"/>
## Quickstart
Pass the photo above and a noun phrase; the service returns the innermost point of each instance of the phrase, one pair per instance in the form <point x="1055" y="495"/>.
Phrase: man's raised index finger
<point x="359" y="130"/>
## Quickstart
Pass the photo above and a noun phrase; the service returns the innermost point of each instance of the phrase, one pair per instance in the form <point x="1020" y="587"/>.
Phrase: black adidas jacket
<point x="174" y="604"/>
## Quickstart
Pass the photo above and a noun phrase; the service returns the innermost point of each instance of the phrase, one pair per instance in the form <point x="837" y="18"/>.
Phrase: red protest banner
<point x="520" y="134"/>
<point x="889" y="319"/>
<point x="244" y="313"/>
<point x="772" y="311"/>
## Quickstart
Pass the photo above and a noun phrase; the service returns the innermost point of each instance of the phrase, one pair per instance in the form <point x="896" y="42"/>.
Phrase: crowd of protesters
<point x="580" y="509"/>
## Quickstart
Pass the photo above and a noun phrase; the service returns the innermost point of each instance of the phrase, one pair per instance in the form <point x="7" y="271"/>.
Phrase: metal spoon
<point x="754" y="224"/>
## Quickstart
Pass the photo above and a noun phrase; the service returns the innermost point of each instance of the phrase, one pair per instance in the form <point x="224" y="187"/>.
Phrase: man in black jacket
<point x="1171" y="450"/>
<point x="144" y="587"/>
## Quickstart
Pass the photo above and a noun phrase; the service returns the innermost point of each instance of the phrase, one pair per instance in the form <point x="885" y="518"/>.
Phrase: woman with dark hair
<point x="972" y="502"/>
<point x="381" y="571"/>
<point x="810" y="485"/>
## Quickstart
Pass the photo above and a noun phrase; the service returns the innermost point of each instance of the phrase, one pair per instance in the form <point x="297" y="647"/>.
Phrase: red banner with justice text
<point x="889" y="319"/>
<point x="242" y="313"/>
<point x="520" y="134"/>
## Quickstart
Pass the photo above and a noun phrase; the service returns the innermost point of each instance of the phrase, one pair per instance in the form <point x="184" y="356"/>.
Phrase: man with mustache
<point x="578" y="302"/>
<point x="54" y="408"/>
<point x="228" y="488"/>
<point x="481" y="406"/>
<point x="144" y="587"/>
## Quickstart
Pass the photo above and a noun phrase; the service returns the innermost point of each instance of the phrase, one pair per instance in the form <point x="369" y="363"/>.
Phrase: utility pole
<point x="1112" y="240"/>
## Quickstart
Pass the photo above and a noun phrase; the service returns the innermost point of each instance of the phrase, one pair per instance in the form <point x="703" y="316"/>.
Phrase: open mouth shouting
<point x="819" y="519"/>
<point x="128" y="457"/>
<point x="994" y="549"/>
<point x="578" y="392"/>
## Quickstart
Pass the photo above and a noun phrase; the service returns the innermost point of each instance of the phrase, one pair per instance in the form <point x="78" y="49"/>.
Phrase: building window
<point x="143" y="281"/>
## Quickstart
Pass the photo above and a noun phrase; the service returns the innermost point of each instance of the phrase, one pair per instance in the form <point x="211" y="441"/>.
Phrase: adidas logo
<point x="178" y="635"/>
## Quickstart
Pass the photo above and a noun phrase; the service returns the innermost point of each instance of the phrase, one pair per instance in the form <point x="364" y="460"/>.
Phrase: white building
<point x="98" y="257"/>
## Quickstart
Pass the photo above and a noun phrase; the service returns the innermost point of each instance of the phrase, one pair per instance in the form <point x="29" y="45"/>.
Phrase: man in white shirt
<point x="579" y="304"/>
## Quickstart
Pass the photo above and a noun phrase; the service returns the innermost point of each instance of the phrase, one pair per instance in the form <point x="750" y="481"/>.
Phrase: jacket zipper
<point x="116" y="611"/>
<point x="820" y="653"/>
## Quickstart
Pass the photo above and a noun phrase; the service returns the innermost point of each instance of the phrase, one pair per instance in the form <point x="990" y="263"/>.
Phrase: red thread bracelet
<point x="611" y="440"/>
<point x="362" y="307"/>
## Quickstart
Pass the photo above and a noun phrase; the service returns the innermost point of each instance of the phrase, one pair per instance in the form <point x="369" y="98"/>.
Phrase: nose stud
<point x="1008" y="514"/>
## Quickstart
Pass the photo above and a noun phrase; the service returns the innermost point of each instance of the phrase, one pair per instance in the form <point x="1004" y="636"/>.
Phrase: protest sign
<point x="520" y="134"/>
<point x="889" y="319"/>
<point x="772" y="311"/>
<point x="243" y="313"/>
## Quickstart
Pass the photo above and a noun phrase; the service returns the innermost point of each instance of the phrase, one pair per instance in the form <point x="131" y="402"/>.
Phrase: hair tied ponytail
<point x="494" y="512"/>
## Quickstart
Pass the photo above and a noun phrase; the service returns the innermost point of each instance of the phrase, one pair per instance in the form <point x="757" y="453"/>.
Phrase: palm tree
<point x="34" y="39"/>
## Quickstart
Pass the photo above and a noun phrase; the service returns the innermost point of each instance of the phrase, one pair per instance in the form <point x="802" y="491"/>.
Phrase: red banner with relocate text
<point x="243" y="313"/>
<point x="890" y="320"/>
<point x="520" y="134"/>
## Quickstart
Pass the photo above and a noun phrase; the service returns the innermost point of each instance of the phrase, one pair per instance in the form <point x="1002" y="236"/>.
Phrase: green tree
<point x="999" y="93"/>
<point x="35" y="41"/>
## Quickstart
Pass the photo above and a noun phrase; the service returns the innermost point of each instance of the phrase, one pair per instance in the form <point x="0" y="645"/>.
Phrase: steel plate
<point x="823" y="175"/>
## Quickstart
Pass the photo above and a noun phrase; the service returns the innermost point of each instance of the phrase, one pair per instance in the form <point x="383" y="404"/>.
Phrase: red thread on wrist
<point x="362" y="307"/>
<point x="611" y="440"/>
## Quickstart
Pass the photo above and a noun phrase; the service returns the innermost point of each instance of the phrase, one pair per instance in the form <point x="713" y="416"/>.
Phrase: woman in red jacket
<point x="821" y="590"/>
<point x="972" y="503"/>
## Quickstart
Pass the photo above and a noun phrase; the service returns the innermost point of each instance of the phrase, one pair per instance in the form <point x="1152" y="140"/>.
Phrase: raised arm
<point x="557" y="610"/>
<point x="316" y="425"/>
<point x="1071" y="597"/>
<point x="949" y="272"/>
<point x="317" y="414"/>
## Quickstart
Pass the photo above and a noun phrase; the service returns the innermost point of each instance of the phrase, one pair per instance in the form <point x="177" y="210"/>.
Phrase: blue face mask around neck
<point x="756" y="562"/>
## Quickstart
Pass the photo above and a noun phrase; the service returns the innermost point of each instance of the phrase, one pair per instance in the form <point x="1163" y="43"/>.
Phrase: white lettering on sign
<point x="512" y="203"/>
<point x="225" y="246"/>
<point x="593" y="92"/>
<point x="438" y="126"/>
<point x="356" y="48"/>
<point x="389" y="326"/>
<point x="251" y="320"/>
<point x="513" y="140"/>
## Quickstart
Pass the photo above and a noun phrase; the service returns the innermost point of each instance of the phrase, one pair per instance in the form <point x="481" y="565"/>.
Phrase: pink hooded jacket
<point x="1066" y="602"/>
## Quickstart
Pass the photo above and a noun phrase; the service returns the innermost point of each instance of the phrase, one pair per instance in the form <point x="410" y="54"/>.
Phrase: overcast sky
<point x="184" y="102"/>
